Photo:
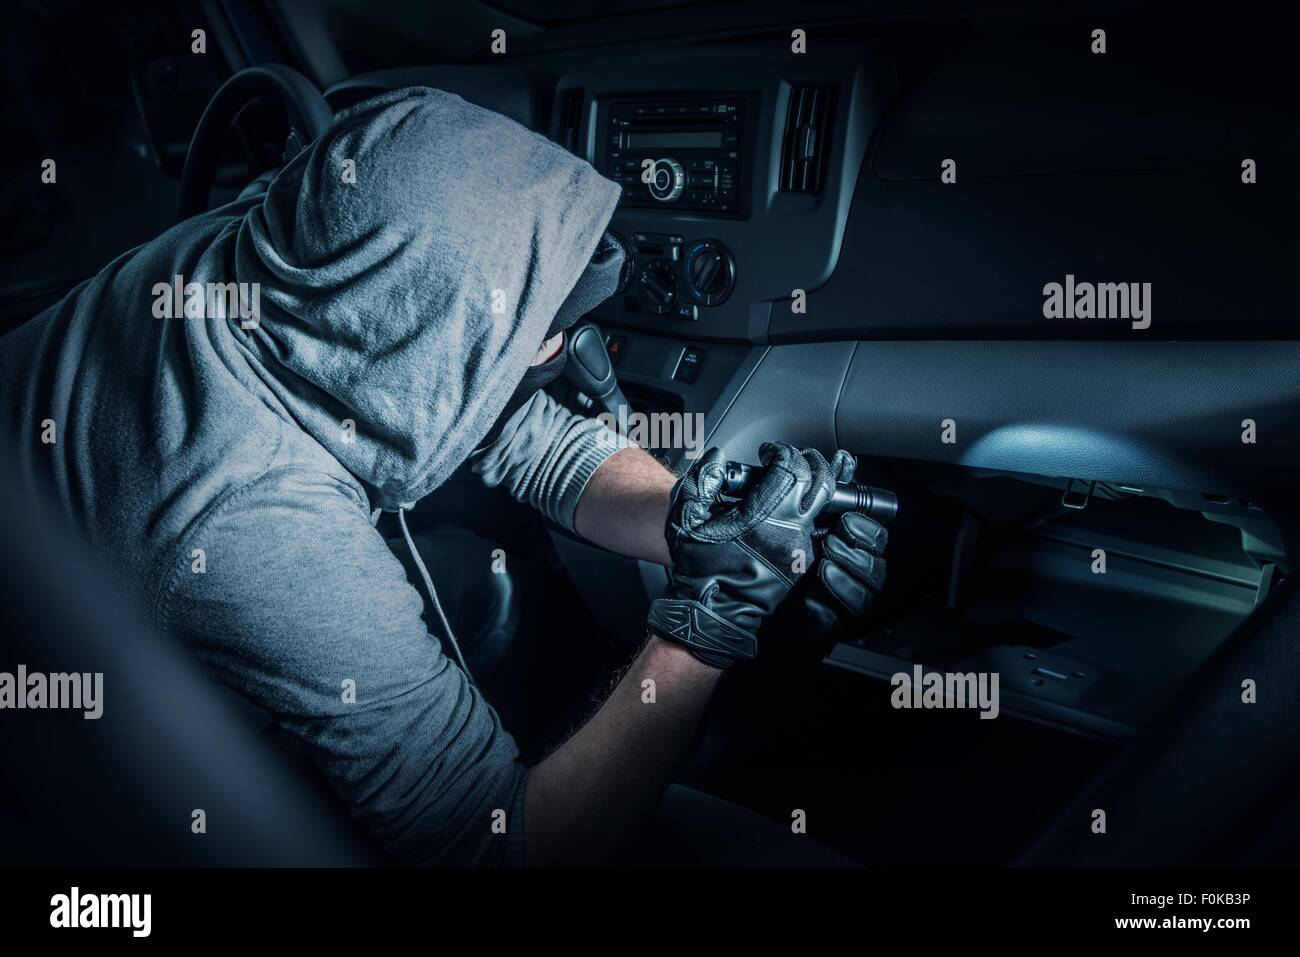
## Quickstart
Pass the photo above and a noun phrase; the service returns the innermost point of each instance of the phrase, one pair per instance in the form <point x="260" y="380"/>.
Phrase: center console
<point x="736" y="182"/>
<point x="677" y="155"/>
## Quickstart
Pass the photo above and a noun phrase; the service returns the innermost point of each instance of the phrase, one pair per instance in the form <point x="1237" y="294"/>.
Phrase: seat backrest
<point x="126" y="788"/>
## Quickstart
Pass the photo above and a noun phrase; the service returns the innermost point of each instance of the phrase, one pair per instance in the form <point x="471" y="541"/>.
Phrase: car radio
<point x="679" y="154"/>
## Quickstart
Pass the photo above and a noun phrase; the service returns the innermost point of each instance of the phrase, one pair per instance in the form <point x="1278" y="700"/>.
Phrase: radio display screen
<point x="675" y="139"/>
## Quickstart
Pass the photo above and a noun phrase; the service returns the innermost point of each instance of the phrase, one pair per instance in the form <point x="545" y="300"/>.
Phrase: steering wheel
<point x="309" y="116"/>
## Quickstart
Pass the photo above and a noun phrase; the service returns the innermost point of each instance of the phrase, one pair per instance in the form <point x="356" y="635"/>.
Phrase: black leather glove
<point x="849" y="571"/>
<point x="733" y="563"/>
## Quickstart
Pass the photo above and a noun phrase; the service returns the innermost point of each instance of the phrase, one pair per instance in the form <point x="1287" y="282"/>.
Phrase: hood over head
<point x="411" y="263"/>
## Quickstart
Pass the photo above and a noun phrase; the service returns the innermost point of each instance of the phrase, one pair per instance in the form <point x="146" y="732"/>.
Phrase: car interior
<point x="841" y="222"/>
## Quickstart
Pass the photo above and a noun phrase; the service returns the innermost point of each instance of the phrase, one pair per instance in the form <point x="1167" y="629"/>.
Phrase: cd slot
<point x="676" y="122"/>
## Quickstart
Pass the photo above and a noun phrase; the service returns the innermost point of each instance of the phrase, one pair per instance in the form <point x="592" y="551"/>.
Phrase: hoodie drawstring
<point x="433" y="595"/>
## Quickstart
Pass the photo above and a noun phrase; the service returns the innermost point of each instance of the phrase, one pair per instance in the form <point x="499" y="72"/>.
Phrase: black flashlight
<point x="879" y="503"/>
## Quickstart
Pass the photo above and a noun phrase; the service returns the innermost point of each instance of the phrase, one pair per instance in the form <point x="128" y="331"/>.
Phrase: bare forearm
<point x="585" y="798"/>
<point x="625" y="504"/>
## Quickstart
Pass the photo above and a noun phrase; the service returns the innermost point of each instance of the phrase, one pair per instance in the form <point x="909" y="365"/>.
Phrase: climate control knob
<point x="710" y="271"/>
<point x="667" y="178"/>
<point x="659" y="286"/>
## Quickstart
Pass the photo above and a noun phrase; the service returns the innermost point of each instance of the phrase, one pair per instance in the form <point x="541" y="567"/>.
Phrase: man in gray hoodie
<point x="404" y="283"/>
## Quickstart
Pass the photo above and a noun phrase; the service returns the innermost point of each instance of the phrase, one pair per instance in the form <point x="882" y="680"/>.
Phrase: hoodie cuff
<point x="546" y="455"/>
<point x="589" y="451"/>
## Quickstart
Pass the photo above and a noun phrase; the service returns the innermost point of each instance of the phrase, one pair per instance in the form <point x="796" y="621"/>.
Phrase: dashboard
<point x="908" y="200"/>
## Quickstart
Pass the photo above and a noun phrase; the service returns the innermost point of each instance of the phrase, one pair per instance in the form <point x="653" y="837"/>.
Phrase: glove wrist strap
<point x="709" y="637"/>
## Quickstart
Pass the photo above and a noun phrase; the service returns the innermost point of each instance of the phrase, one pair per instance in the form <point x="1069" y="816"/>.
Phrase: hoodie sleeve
<point x="545" y="455"/>
<point x="302" y="608"/>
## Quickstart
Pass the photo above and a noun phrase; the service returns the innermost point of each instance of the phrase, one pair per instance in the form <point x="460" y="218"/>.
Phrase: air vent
<point x="806" y="147"/>
<point x="568" y="121"/>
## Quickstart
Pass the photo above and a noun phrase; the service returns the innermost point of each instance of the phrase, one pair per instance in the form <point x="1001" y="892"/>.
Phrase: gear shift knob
<point x="588" y="369"/>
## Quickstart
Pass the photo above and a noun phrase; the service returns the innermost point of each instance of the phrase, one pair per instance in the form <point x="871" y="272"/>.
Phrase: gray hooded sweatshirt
<point x="407" y="266"/>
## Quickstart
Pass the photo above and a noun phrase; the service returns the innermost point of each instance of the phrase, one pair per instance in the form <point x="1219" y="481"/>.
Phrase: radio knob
<point x="667" y="178"/>
<point x="711" y="271"/>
